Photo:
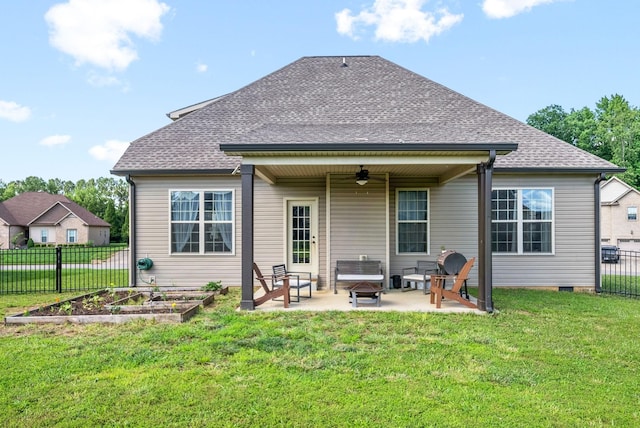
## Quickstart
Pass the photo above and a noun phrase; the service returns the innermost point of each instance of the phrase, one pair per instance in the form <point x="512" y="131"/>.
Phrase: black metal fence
<point x="621" y="276"/>
<point x="62" y="269"/>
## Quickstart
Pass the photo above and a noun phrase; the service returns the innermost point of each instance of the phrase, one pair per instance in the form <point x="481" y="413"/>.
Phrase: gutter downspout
<point x="485" y="266"/>
<point x="598" y="231"/>
<point x="132" y="231"/>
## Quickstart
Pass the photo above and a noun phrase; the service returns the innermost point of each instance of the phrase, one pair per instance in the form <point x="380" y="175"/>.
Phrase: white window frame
<point x="520" y="221"/>
<point x="632" y="211"/>
<point x="44" y="236"/>
<point x="71" y="232"/>
<point x="202" y="222"/>
<point x="427" y="221"/>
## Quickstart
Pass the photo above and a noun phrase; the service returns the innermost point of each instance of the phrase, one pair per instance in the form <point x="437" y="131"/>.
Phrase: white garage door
<point x="629" y="244"/>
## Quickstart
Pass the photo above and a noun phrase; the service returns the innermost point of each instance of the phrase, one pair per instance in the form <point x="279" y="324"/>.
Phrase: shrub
<point x="213" y="286"/>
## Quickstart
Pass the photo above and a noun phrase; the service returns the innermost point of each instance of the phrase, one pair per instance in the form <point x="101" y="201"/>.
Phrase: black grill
<point x="450" y="262"/>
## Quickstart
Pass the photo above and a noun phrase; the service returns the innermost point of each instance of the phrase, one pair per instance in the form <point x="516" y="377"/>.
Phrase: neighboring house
<point x="619" y="205"/>
<point x="334" y="158"/>
<point x="49" y="219"/>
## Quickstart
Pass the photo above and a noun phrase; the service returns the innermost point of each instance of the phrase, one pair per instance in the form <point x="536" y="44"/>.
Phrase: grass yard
<point x="546" y="359"/>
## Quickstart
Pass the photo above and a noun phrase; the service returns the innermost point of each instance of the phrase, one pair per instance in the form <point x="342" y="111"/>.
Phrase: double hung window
<point x="522" y="221"/>
<point x="412" y="221"/>
<point x="72" y="236"/>
<point x="202" y="221"/>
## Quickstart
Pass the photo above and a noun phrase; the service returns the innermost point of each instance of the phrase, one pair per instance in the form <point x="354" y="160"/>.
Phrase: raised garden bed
<point x="117" y="306"/>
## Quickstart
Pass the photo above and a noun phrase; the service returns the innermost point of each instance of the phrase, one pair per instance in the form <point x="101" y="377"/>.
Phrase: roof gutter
<point x="239" y="148"/>
<point x="172" y="172"/>
<point x="550" y="170"/>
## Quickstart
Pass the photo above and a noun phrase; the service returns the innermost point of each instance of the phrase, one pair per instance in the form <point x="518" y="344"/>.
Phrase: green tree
<point x="32" y="184"/>
<point x="582" y="130"/>
<point x="618" y="128"/>
<point x="9" y="191"/>
<point x="553" y="121"/>
<point x="610" y="131"/>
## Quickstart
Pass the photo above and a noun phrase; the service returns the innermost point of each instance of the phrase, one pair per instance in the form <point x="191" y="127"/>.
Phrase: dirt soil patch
<point x="117" y="306"/>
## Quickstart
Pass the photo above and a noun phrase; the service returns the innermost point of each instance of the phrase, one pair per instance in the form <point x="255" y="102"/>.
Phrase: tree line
<point x="610" y="131"/>
<point x="108" y="198"/>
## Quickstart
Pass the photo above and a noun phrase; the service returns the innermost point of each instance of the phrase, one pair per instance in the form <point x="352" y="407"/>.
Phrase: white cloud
<point x="98" y="32"/>
<point x="14" y="111"/>
<point x="398" y="21"/>
<point x="107" y="80"/>
<point x="55" y="140"/>
<point x="111" y="150"/>
<point x="201" y="68"/>
<point x="507" y="8"/>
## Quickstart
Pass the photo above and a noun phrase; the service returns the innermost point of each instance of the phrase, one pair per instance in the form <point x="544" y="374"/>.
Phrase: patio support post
<point x="247" y="172"/>
<point x="485" y="269"/>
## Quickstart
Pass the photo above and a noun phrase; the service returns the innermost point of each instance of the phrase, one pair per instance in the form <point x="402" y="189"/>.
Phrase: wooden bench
<point x="358" y="271"/>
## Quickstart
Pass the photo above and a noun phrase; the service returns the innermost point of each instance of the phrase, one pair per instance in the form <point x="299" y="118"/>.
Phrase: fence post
<point x="59" y="269"/>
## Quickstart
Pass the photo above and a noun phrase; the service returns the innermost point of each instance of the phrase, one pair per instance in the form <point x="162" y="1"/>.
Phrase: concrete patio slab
<point x="392" y="300"/>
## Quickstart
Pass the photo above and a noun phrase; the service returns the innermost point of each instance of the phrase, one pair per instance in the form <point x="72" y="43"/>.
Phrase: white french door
<point x="302" y="234"/>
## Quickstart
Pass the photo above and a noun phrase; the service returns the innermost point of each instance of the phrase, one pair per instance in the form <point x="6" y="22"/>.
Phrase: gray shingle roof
<point x="318" y="100"/>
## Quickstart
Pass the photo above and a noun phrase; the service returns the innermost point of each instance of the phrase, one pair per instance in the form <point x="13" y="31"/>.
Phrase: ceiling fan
<point x="362" y="176"/>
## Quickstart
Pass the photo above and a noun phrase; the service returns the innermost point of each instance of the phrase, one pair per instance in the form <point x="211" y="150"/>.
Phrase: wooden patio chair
<point x="271" y="293"/>
<point x="438" y="290"/>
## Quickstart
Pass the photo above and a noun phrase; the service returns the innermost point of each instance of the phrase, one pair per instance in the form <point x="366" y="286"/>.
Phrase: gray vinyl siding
<point x="269" y="221"/>
<point x="453" y="221"/>
<point x="153" y="235"/>
<point x="573" y="263"/>
<point x="358" y="227"/>
<point x="358" y="223"/>
<point x="454" y="225"/>
<point x="190" y="270"/>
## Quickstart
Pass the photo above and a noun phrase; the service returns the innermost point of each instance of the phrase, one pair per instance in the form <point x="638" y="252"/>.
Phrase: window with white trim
<point x="72" y="236"/>
<point x="522" y="221"/>
<point x="412" y="221"/>
<point x="632" y="213"/>
<point x="202" y="221"/>
<point x="44" y="235"/>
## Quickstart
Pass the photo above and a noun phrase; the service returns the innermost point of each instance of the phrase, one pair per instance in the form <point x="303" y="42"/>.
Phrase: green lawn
<point x="47" y="255"/>
<point x="545" y="359"/>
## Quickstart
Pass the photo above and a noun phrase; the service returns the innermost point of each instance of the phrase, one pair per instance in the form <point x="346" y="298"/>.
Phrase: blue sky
<point x="80" y="79"/>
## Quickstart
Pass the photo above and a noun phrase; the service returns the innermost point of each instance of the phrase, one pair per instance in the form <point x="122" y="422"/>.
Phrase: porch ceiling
<point x="438" y="169"/>
<point x="310" y="171"/>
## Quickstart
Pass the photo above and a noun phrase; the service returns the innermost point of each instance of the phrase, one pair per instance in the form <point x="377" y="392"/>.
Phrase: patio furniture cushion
<point x="296" y="280"/>
<point x="359" y="277"/>
<point x="358" y="271"/>
<point x="421" y="273"/>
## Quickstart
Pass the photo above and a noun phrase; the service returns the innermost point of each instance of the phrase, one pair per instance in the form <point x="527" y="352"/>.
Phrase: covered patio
<point x="392" y="300"/>
<point x="430" y="165"/>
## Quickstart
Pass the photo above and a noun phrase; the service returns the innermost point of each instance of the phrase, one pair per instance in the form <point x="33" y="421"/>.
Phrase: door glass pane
<point x="300" y="233"/>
